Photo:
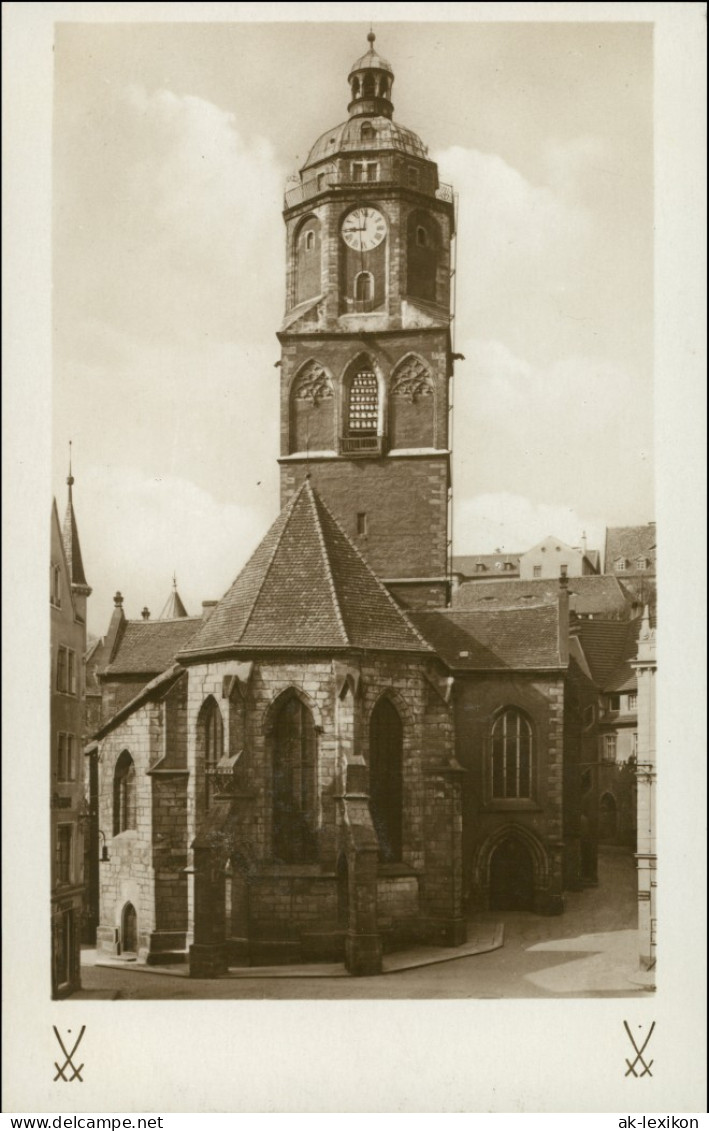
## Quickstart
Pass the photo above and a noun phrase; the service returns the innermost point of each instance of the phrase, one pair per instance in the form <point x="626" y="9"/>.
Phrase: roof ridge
<point x="289" y="509"/>
<point x="328" y="565"/>
<point x="380" y="584"/>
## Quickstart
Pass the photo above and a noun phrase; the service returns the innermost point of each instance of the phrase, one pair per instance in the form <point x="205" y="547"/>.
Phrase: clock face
<point x="363" y="229"/>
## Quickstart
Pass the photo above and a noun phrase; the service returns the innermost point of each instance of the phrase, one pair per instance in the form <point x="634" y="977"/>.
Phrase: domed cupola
<point x="371" y="79"/>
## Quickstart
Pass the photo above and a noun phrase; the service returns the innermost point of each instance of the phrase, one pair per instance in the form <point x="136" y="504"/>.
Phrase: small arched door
<point x="129" y="930"/>
<point x="511" y="877"/>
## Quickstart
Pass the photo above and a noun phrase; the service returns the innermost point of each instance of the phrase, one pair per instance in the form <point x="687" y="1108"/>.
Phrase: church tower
<point x="365" y="342"/>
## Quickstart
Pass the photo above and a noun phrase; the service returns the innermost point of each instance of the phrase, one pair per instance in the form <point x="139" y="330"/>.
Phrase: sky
<point x="172" y="147"/>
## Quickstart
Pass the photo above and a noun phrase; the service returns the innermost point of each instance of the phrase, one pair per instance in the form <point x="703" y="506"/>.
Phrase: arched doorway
<point x="386" y="787"/>
<point x="511" y="877"/>
<point x="129" y="930"/>
<point x="607" y="819"/>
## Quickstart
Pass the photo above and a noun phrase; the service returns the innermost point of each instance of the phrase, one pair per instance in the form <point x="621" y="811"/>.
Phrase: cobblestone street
<point x="589" y="951"/>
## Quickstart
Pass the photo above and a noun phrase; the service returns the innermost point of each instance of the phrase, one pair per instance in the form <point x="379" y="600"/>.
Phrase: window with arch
<point x="511" y="756"/>
<point x="421" y="236"/>
<point x="364" y="287"/>
<point x="309" y="240"/>
<point x="367" y="131"/>
<point x="363" y="404"/>
<point x="210" y="746"/>
<point x="386" y="782"/>
<point x="294" y="783"/>
<point x="124" y="794"/>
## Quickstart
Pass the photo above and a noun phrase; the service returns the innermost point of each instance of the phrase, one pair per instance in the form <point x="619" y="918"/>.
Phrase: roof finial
<point x="174" y="581"/>
<point x="371" y="38"/>
<point x="70" y="477"/>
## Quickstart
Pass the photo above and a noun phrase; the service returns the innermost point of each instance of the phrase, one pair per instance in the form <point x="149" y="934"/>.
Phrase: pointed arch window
<point x="294" y="783"/>
<point x="211" y="746"/>
<point x="512" y="756"/>
<point x="386" y="788"/>
<point x="124" y="794"/>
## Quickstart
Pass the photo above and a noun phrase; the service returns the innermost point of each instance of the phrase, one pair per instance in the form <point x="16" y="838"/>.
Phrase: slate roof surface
<point x="147" y="647"/>
<point x="520" y="639"/>
<point x="630" y="543"/>
<point x="610" y="647"/>
<point x="593" y="594"/>
<point x="306" y="586"/>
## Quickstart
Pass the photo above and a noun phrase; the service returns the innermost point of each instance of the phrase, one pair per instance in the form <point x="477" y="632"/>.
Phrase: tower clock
<point x="366" y="355"/>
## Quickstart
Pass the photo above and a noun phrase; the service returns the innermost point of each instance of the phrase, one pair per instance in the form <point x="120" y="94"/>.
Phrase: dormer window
<point x="642" y="564"/>
<point x="620" y="565"/>
<point x="479" y="567"/>
<point x="367" y="131"/>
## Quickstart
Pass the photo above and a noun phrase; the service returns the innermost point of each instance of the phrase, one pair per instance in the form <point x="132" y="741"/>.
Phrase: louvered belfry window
<point x="363" y="404"/>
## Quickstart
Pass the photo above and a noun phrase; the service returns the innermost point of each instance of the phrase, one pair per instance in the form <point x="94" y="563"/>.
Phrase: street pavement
<point x="589" y="951"/>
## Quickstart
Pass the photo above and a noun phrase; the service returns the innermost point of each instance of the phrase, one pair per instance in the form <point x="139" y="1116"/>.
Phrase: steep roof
<point x="306" y="586"/>
<point x="492" y="640"/>
<point x="593" y="594"/>
<point x="147" y="647"/>
<point x="173" y="607"/>
<point x="70" y="538"/>
<point x="609" y="648"/>
<point x="630" y="543"/>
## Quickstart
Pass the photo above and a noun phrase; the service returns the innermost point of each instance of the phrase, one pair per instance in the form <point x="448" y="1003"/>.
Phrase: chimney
<point x="145" y="614"/>
<point x="563" y="617"/>
<point x="208" y="608"/>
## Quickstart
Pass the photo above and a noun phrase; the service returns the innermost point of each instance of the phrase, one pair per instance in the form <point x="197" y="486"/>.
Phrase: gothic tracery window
<point x="211" y="746"/>
<point x="511" y="756"/>
<point x="294" y="783"/>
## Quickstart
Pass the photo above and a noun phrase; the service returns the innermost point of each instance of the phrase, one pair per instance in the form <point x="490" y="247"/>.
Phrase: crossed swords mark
<point x="68" y="1063"/>
<point x="639" y="1051"/>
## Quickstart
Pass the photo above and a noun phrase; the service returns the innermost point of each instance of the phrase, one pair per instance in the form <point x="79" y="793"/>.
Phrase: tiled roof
<point x="147" y="647"/>
<point x="631" y="543"/>
<point x="471" y="565"/>
<point x="306" y="586"/>
<point x="592" y="594"/>
<point x="492" y="640"/>
<point x="610" y="647"/>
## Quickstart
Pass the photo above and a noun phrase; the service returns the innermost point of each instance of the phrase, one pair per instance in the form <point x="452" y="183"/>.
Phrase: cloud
<point x="514" y="523"/>
<point x="152" y="527"/>
<point x="576" y="432"/>
<point x="167" y="220"/>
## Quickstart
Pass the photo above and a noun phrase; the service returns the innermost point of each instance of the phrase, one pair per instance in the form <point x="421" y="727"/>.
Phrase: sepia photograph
<point x="356" y="560"/>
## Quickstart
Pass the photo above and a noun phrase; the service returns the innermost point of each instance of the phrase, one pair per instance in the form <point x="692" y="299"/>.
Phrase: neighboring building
<point x="589" y="597"/>
<point x="631" y="554"/>
<point x="485" y="567"/>
<point x="646" y="856"/>
<point x="68" y="594"/>
<point x="610" y="649"/>
<point x="552" y="558"/>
